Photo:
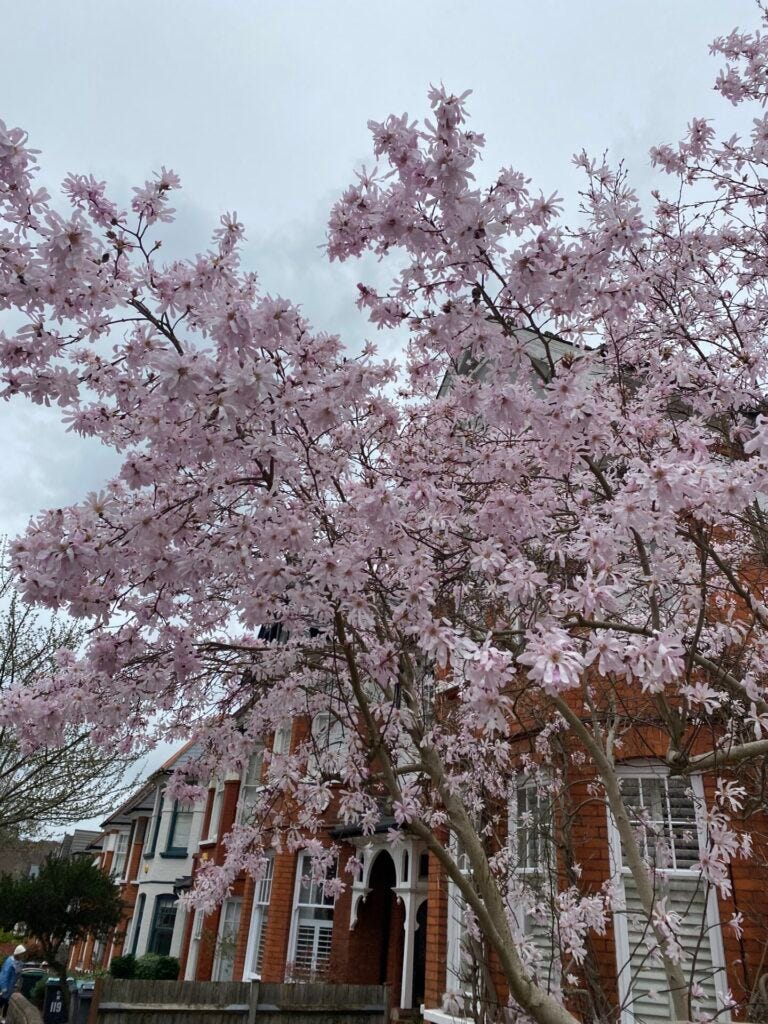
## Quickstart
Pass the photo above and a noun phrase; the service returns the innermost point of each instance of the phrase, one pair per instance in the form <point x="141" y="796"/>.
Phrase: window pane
<point x="311" y="892"/>
<point x="282" y="741"/>
<point x="663" y="811"/>
<point x="530" y="825"/>
<point x="137" y="922"/>
<point x="162" y="925"/>
<point x="213" y="825"/>
<point x="121" y="855"/>
<point x="156" y="822"/>
<point x="229" y="925"/>
<point x="314" y="926"/>
<point x="250" y="786"/>
<point x="181" y="827"/>
<point x="260" y="916"/>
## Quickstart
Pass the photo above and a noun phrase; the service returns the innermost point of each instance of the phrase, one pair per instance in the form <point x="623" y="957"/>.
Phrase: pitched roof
<point x="81" y="841"/>
<point x="142" y="801"/>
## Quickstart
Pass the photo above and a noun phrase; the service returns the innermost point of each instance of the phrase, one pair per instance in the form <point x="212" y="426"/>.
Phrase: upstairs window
<point x="281" y="744"/>
<point x="215" y="819"/>
<point x="180" y="829"/>
<point x="157" y="818"/>
<point x="529" y="828"/>
<point x="663" y="811"/>
<point x="250" y="786"/>
<point x="121" y="855"/>
<point x="328" y="743"/>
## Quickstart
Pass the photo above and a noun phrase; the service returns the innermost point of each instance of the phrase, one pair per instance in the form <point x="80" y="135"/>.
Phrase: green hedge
<point x="150" y="967"/>
<point x="123" y="966"/>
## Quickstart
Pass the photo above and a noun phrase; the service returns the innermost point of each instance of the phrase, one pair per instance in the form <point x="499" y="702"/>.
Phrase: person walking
<point x="8" y="974"/>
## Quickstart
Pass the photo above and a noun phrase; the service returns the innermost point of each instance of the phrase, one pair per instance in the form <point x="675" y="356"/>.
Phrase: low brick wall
<point x="21" y="1011"/>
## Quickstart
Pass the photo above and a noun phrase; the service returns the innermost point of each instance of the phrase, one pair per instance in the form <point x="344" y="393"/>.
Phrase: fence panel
<point x="123" y="1001"/>
<point x="319" y="1003"/>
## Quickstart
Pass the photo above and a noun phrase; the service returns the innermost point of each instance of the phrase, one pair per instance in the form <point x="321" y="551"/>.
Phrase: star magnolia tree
<point x="536" y="540"/>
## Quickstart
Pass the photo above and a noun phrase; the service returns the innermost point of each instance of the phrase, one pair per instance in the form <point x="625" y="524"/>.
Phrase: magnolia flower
<point x="702" y="694"/>
<point x="731" y="793"/>
<point x="554" y="661"/>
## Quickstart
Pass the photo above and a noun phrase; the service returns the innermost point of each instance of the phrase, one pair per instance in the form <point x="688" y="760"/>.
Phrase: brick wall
<point x="280" y="911"/>
<point x="437" y="930"/>
<point x="217" y="853"/>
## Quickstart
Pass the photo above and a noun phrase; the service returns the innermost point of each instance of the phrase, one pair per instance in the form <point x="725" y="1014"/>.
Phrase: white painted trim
<point x="295" y="910"/>
<point x="194" y="946"/>
<point x="441" y="1017"/>
<point x="261" y="908"/>
<point x="637" y="769"/>
<point x="236" y="901"/>
<point x="293" y="934"/>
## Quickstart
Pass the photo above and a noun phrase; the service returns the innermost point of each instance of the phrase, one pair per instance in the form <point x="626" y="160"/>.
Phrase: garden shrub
<point x="123" y="966"/>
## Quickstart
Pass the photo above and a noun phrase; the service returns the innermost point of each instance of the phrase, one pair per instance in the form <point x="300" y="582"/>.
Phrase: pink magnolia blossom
<point x="536" y="527"/>
<point x="555" y="663"/>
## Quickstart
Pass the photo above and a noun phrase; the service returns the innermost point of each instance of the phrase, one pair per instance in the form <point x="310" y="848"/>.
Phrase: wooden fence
<point x="317" y="1003"/>
<point x="119" y="1001"/>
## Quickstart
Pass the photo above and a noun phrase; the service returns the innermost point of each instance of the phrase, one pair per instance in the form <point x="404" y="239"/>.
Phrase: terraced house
<point x="148" y="847"/>
<point x="401" y="921"/>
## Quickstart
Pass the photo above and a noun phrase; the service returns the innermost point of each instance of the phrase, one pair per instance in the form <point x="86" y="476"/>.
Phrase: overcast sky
<point x="261" y="107"/>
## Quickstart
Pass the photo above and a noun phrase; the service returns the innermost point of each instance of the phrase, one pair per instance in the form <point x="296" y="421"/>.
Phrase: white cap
<point x="20" y="951"/>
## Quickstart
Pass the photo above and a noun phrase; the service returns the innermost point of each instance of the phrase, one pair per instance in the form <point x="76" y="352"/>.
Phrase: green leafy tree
<point x="70" y="899"/>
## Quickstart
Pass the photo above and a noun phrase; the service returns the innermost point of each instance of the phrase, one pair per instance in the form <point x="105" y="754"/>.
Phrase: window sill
<point x="435" y="1016"/>
<point x="174" y="854"/>
<point x="205" y="844"/>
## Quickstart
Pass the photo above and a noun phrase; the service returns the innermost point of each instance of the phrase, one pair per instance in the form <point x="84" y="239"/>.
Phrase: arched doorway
<point x="378" y="936"/>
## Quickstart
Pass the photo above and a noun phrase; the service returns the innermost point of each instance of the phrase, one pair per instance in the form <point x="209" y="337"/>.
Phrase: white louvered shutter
<point x="664" y="810"/>
<point x="649" y="997"/>
<point x="533" y="855"/>
<point x="314" y="923"/>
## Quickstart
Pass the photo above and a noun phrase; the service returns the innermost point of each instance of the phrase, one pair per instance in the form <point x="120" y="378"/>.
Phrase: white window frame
<point x="456" y="929"/>
<point x="281" y="742"/>
<point x="212" y="832"/>
<point x="230" y="901"/>
<point x="327" y="733"/>
<point x="513" y="811"/>
<point x="544" y="868"/>
<point x="262" y="897"/>
<point x="119" y="875"/>
<point x="194" y="945"/>
<point x="299" y="906"/>
<point x="255" y="761"/>
<point x="619" y="873"/>
<point x="180" y="809"/>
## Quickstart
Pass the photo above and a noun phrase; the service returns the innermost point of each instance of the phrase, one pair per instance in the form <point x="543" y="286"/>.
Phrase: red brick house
<point x="401" y="921"/>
